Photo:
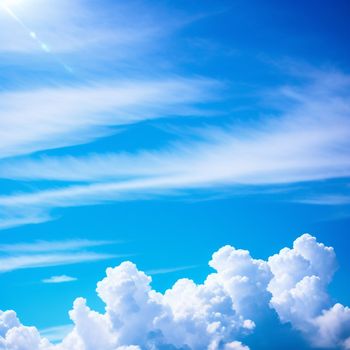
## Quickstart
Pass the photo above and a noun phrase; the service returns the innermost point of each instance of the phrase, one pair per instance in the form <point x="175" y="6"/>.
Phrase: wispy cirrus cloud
<point x="308" y="140"/>
<point x="25" y="217"/>
<point x="330" y="199"/>
<point x="310" y="132"/>
<point x="59" y="279"/>
<point x="40" y="254"/>
<point x="66" y="116"/>
<point x="56" y="333"/>
<point x="49" y="246"/>
<point x="166" y="270"/>
<point x="18" y="262"/>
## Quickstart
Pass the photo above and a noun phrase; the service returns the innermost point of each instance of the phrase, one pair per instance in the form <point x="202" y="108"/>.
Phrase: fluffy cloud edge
<point x="215" y="315"/>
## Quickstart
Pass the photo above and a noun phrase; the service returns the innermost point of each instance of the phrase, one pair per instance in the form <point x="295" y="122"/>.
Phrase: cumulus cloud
<point x="300" y="279"/>
<point x="235" y="345"/>
<point x="187" y="316"/>
<point x="215" y="315"/>
<point x="14" y="336"/>
<point x="333" y="327"/>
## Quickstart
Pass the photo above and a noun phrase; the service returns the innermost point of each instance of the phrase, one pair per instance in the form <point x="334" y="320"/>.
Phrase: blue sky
<point x="159" y="132"/>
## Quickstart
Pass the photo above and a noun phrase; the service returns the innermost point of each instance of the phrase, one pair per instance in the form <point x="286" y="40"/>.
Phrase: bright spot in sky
<point x="9" y="2"/>
<point x="45" y="47"/>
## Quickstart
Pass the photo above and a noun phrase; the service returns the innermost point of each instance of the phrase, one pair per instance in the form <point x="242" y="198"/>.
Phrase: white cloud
<point x="24" y="338"/>
<point x="49" y="246"/>
<point x="57" y="333"/>
<point x="215" y="315"/>
<point x="59" y="279"/>
<point x="23" y="217"/>
<point x="65" y="116"/>
<point x="330" y="199"/>
<point x="10" y="263"/>
<point x="50" y="253"/>
<point x="263" y="153"/>
<point x="14" y="336"/>
<point x="333" y="328"/>
<point x="196" y="316"/>
<point x="299" y="293"/>
<point x="235" y="345"/>
<point x="166" y="270"/>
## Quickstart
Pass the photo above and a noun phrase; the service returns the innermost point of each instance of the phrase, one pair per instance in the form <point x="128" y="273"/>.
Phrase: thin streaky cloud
<point x="331" y="199"/>
<point x="65" y="116"/>
<point x="308" y="141"/>
<point x="166" y="270"/>
<point x="56" y="333"/>
<point x="11" y="263"/>
<point x="53" y="246"/>
<point x="23" y="219"/>
<point x="59" y="279"/>
<point x="264" y="154"/>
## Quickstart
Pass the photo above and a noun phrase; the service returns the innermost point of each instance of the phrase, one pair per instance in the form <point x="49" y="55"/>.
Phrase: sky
<point x="174" y="175"/>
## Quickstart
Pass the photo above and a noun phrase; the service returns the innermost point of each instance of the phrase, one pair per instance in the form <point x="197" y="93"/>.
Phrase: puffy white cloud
<point x="8" y="320"/>
<point x="92" y="330"/>
<point x="245" y="279"/>
<point x="333" y="327"/>
<point x="214" y="315"/>
<point x="25" y="338"/>
<point x="235" y="345"/>
<point x="300" y="278"/>
<point x="14" y="336"/>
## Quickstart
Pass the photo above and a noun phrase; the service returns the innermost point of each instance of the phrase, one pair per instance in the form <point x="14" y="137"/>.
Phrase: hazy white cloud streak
<point x="49" y="246"/>
<point x="166" y="270"/>
<point x="59" y="279"/>
<point x="57" y="333"/>
<point x="51" y="253"/>
<point x="10" y="263"/>
<point x="55" y="117"/>
<point x="308" y="141"/>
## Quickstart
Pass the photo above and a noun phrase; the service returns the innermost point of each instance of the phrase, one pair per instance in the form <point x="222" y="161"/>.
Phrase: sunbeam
<point x="6" y="5"/>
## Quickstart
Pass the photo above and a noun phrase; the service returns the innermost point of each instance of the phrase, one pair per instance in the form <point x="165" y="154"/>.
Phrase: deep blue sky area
<point x="164" y="131"/>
